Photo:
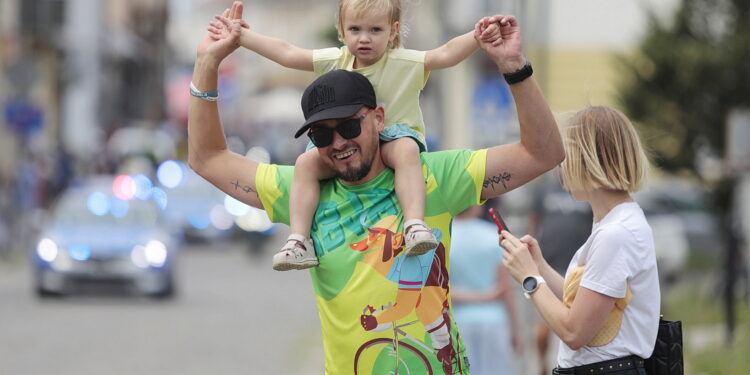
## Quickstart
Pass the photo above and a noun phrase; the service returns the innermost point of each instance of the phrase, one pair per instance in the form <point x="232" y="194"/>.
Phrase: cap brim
<point x="343" y="111"/>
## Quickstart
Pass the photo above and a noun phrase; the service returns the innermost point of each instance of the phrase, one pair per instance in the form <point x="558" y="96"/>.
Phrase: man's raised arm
<point x="540" y="148"/>
<point x="207" y="148"/>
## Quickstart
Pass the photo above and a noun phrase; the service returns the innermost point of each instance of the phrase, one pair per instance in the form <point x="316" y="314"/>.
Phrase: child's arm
<point x="460" y="47"/>
<point x="280" y="51"/>
<point x="451" y="53"/>
<point x="277" y="50"/>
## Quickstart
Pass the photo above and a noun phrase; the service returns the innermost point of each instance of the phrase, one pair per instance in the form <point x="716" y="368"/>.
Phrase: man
<point x="367" y="291"/>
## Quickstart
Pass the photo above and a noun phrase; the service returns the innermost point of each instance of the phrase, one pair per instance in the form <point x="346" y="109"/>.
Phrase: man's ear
<point x="379" y="118"/>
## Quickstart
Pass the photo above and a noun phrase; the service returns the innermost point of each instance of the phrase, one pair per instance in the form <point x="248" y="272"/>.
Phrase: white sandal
<point x="419" y="237"/>
<point x="297" y="254"/>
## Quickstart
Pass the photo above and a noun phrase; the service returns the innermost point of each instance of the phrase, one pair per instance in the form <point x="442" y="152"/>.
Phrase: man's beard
<point x="353" y="174"/>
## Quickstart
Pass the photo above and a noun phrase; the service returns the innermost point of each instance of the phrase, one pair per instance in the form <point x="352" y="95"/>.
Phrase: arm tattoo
<point x="498" y="179"/>
<point x="246" y="189"/>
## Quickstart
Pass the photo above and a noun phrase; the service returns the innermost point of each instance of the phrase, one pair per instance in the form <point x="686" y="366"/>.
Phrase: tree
<point x="680" y="88"/>
<point x="688" y="77"/>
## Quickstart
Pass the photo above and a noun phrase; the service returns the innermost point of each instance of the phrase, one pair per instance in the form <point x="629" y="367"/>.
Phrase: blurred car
<point x="194" y="205"/>
<point x="682" y="223"/>
<point x="103" y="231"/>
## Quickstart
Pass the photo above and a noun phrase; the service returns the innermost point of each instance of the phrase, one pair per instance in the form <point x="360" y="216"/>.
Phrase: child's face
<point x="367" y="36"/>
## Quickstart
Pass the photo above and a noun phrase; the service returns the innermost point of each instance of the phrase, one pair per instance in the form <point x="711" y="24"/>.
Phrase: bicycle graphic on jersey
<point x="400" y="355"/>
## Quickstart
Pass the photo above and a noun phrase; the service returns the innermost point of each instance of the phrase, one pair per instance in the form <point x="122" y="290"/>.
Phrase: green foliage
<point x="706" y="350"/>
<point x="688" y="75"/>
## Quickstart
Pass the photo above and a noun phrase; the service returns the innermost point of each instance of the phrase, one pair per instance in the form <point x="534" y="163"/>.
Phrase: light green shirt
<point x="358" y="236"/>
<point x="398" y="77"/>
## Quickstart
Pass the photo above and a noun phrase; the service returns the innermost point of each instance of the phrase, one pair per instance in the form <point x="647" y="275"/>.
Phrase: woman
<point x="606" y="309"/>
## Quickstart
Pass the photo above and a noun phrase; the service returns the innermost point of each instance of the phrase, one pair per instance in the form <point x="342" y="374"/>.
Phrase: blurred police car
<point x="107" y="230"/>
<point x="205" y="213"/>
<point x="195" y="206"/>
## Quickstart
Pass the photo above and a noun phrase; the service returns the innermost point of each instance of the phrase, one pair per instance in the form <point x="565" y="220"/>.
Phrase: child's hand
<point x="223" y="37"/>
<point x="218" y="30"/>
<point x="490" y="32"/>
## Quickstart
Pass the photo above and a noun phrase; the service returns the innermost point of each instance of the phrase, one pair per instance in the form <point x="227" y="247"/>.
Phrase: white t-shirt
<point x="620" y="252"/>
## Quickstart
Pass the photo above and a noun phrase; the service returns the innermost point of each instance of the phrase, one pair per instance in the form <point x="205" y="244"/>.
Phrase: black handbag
<point x="667" y="356"/>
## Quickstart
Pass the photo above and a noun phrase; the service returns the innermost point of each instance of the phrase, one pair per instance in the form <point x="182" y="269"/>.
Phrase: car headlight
<point x="47" y="250"/>
<point x="154" y="254"/>
<point x="80" y="253"/>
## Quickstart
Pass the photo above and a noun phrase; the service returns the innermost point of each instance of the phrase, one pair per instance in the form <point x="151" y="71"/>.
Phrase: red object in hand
<point x="498" y="221"/>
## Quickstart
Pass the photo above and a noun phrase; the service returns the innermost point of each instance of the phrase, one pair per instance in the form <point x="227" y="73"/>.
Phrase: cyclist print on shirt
<point x="422" y="289"/>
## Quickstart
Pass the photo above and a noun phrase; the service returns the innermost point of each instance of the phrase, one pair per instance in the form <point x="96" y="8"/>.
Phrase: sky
<point x="605" y="24"/>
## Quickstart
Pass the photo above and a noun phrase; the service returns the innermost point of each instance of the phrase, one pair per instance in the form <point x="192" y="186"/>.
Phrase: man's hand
<point x="505" y="51"/>
<point x="223" y="36"/>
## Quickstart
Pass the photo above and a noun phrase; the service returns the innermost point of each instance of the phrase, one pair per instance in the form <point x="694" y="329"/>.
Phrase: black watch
<point x="530" y="284"/>
<point x="520" y="74"/>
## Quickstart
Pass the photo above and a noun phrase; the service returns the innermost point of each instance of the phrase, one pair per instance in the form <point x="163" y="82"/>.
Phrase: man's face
<point x="352" y="159"/>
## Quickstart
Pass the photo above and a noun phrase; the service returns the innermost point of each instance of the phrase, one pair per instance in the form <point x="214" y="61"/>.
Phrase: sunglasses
<point x="347" y="129"/>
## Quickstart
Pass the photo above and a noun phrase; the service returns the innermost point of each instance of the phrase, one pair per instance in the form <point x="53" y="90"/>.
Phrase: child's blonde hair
<point x="602" y="151"/>
<point x="391" y="8"/>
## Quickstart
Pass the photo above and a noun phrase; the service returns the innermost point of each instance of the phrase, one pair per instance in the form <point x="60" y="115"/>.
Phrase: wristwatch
<point x="519" y="75"/>
<point x="530" y="284"/>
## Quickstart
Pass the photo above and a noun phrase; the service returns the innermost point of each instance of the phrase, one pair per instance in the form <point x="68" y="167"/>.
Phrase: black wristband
<point x="519" y="75"/>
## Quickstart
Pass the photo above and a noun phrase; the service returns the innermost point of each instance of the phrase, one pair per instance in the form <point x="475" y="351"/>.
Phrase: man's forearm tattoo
<point x="246" y="189"/>
<point x="498" y="179"/>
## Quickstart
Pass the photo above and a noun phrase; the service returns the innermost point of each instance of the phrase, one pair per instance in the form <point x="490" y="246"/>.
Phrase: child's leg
<point x="403" y="156"/>
<point x="303" y="199"/>
<point x="298" y="252"/>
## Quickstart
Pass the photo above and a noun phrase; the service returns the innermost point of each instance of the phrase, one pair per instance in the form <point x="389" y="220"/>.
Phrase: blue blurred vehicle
<point x="107" y="231"/>
<point x="196" y="207"/>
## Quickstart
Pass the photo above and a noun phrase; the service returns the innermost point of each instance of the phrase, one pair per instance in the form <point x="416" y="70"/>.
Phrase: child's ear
<point x="394" y="31"/>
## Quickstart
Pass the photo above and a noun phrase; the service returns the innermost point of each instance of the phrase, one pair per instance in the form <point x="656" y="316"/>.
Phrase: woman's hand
<point x="534" y="249"/>
<point x="517" y="257"/>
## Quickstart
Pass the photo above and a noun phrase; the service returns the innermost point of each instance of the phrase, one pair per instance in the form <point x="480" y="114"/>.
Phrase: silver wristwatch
<point x="530" y="284"/>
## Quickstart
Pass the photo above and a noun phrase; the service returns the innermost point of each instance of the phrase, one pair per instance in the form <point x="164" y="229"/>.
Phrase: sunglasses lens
<point x="350" y="128"/>
<point x="321" y="137"/>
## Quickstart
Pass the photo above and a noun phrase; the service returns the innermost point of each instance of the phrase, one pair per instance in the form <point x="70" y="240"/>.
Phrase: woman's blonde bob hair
<point x="391" y="8"/>
<point x="602" y="151"/>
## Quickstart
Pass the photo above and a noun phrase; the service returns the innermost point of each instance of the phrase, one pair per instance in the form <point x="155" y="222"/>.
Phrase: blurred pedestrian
<point x="606" y="309"/>
<point x="561" y="225"/>
<point x="484" y="306"/>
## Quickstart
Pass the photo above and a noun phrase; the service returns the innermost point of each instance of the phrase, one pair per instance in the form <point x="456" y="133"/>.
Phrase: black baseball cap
<point x="334" y="95"/>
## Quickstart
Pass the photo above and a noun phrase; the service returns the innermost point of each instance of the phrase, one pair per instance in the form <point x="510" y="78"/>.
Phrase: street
<point x="232" y="315"/>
